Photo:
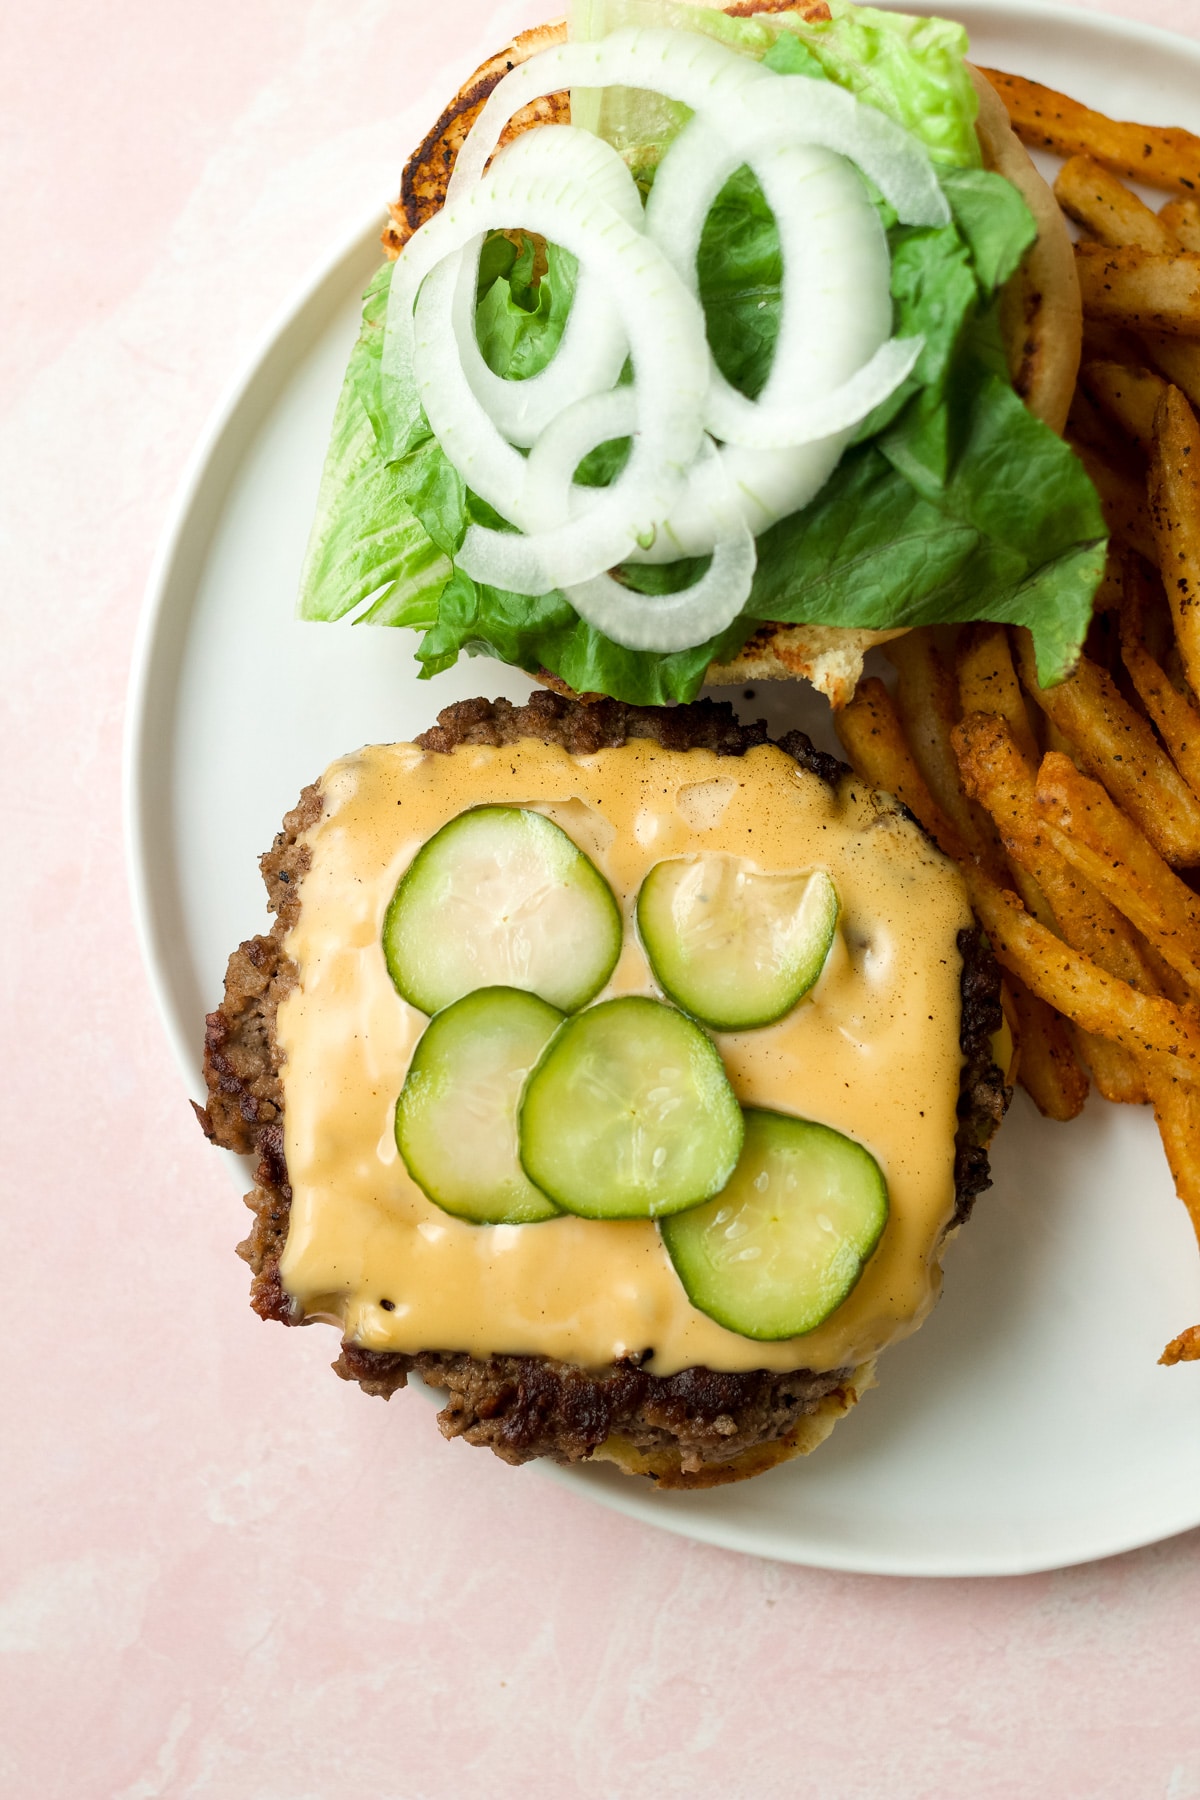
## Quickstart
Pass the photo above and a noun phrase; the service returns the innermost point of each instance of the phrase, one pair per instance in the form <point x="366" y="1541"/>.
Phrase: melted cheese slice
<point x="873" y="1051"/>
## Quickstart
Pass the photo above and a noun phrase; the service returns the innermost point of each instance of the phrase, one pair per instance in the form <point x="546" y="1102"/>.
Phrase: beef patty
<point x="693" y="1428"/>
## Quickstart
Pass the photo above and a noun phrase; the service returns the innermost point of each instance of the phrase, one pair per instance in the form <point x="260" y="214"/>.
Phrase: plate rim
<point x="209" y="472"/>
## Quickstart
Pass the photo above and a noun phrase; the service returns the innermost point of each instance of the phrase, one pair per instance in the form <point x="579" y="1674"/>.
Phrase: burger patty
<point x="523" y="1407"/>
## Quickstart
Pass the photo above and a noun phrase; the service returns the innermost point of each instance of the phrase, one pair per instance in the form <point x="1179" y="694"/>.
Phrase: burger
<point x="617" y="1071"/>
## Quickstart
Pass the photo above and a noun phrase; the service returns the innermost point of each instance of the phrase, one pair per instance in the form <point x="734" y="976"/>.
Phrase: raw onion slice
<point x="593" y="349"/>
<point x="787" y="426"/>
<point x="665" y="330"/>
<point x="745" y="102"/>
<point x="683" y="65"/>
<point x="832" y="363"/>
<point x="461" y="424"/>
<point x="668" y="622"/>
<point x="766" y="486"/>
<point x="598" y="419"/>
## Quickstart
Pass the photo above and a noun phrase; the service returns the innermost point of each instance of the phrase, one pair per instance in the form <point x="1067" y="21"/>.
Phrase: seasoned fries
<point x="1094" y="197"/>
<point x="1110" y="851"/>
<point x="1070" y="809"/>
<point x="1176" y="714"/>
<point x="1118" y="746"/>
<point x="1182" y="219"/>
<point x="1077" y="987"/>
<point x="927" y="700"/>
<point x="1175" y="510"/>
<point x="1126" y="510"/>
<point x="1129" y="395"/>
<point x="1161" y="156"/>
<point x="1047" y="1066"/>
<point x="873" y="738"/>
<point x="1140" y="289"/>
<point x="987" y="683"/>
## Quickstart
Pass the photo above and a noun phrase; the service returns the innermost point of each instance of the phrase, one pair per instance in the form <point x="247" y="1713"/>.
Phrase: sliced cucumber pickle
<point x="735" y="946"/>
<point x="781" y="1248"/>
<point x="501" y="897"/>
<point x="456" y="1118"/>
<point x="629" y="1114"/>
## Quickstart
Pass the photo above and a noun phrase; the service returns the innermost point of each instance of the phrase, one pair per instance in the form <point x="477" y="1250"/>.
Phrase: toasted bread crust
<point x="696" y="1429"/>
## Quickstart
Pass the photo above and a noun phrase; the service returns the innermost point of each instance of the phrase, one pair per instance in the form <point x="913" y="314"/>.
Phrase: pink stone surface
<point x="221" y="1572"/>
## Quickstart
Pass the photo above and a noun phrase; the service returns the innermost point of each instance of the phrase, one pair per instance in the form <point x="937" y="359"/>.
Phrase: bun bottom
<point x="665" y="1468"/>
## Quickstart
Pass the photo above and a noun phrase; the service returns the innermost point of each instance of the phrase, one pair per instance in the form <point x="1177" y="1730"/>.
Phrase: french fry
<point x="987" y="683"/>
<point x="1110" y="851"/>
<point x="1182" y="220"/>
<point x="1123" y="497"/>
<point x="1130" y="395"/>
<point x="1174" y="492"/>
<point x="927" y="702"/>
<point x="1178" y="359"/>
<point x="873" y="738"/>
<point x="1140" y="289"/>
<point x="1096" y="199"/>
<point x="1116" y="1072"/>
<point x="1046" y="1063"/>
<point x="1117" y="745"/>
<point x="998" y="776"/>
<point x="1176" y="715"/>
<point x="871" y="735"/>
<point x="1177" y="1113"/>
<point x="1184" y="1348"/>
<point x="1077" y="987"/>
<point x="1109" y="343"/>
<point x="1161" y="156"/>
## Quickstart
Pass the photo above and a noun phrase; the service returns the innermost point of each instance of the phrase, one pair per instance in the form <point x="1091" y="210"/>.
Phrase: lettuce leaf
<point x="912" y="69"/>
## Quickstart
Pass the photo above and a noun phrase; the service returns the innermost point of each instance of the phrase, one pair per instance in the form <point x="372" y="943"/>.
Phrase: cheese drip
<point x="873" y="1051"/>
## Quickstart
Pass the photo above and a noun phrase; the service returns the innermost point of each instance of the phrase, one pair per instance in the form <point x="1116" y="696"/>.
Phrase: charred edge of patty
<point x="529" y="1406"/>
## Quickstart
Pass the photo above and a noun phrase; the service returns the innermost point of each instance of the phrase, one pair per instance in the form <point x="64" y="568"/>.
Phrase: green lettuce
<point x="952" y="504"/>
<point x="912" y="69"/>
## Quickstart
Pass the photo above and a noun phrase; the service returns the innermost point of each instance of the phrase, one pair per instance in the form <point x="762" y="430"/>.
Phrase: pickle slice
<point x="501" y="897"/>
<point x="735" y="946"/>
<point x="780" y="1249"/>
<point x="629" y="1114"/>
<point x="456" y="1118"/>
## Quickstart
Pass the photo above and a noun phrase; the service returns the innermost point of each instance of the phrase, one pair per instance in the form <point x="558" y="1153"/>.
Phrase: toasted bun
<point x="1040" y="315"/>
<point x="665" y="1468"/>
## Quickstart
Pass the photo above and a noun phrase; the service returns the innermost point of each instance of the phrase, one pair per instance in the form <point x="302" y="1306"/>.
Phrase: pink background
<point x="221" y="1572"/>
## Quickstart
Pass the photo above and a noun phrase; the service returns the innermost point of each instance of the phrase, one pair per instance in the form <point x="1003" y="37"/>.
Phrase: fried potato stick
<point x="1176" y="715"/>
<point x="1123" y="497"/>
<point x="1140" y="289"/>
<point x="1178" y="359"/>
<point x="927" y="702"/>
<point x="1076" y="986"/>
<point x="997" y="775"/>
<point x="1118" y="746"/>
<point x="1047" y="1067"/>
<point x="1184" y="1348"/>
<point x="1182" y="220"/>
<point x="1160" y="156"/>
<point x="1174" y="491"/>
<point x="1108" y="212"/>
<point x="987" y="683"/>
<point x="1130" y="395"/>
<point x="1110" y="851"/>
<point x="873" y="738"/>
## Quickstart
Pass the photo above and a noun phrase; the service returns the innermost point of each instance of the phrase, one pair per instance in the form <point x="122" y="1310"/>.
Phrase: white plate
<point x="1028" y="1425"/>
